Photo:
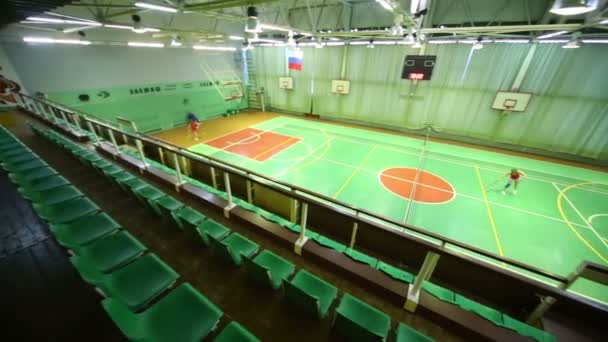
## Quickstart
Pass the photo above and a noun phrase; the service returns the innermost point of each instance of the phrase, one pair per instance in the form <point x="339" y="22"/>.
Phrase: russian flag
<point x="295" y="58"/>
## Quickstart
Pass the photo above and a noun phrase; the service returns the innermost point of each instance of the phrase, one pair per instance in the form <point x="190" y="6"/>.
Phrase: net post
<point x="413" y="293"/>
<point x="228" y="195"/>
<point x="178" y="171"/>
<point x="302" y="238"/>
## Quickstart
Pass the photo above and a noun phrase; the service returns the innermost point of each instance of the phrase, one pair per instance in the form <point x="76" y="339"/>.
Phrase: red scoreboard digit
<point x="416" y="76"/>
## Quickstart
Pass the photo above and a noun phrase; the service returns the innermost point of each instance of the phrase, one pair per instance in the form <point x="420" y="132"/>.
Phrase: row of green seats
<point x="193" y="219"/>
<point x="117" y="264"/>
<point x="355" y="319"/>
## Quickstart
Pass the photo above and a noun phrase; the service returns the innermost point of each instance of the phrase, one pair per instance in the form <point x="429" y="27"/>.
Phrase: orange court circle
<point x="431" y="188"/>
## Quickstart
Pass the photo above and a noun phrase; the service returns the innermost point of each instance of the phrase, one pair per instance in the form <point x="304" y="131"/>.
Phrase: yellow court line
<point x="275" y="147"/>
<point x="485" y="199"/>
<point x="352" y="175"/>
<point x="560" y="197"/>
<point x="297" y="167"/>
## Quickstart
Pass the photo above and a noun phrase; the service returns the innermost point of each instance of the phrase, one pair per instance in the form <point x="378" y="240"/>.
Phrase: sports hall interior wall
<point x="153" y="87"/>
<point x="568" y="113"/>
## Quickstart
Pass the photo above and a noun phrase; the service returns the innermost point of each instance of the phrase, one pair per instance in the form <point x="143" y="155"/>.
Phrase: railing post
<point x="228" y="195"/>
<point x="76" y="119"/>
<point x="353" y="235"/>
<point x="142" y="155"/>
<point x="92" y="129"/>
<point x="111" y="133"/>
<point x="249" y="191"/>
<point x="178" y="172"/>
<point x="548" y="301"/>
<point x="293" y="210"/>
<point x="413" y="293"/>
<point x="302" y="239"/>
<point x="64" y="117"/>
<point x="161" y="155"/>
<point x="213" y="177"/>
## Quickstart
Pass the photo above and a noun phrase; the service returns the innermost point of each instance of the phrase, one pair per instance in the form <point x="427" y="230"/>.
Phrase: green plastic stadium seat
<point x="234" y="248"/>
<point x="111" y="252"/>
<point x="235" y="332"/>
<point x="10" y="144"/>
<point x="42" y="184"/>
<point x="101" y="164"/>
<point x="112" y="170"/>
<point x="120" y="178"/>
<point x="32" y="175"/>
<point x="212" y="228"/>
<point x="66" y="211"/>
<point x="188" y="218"/>
<point x="405" y="333"/>
<point x="270" y="269"/>
<point x="90" y="158"/>
<point x="135" y="284"/>
<point x="165" y="206"/>
<point x="21" y="157"/>
<point x="310" y="294"/>
<point x="84" y="230"/>
<point x="55" y="195"/>
<point x="359" y="321"/>
<point x="11" y="153"/>
<point x="133" y="184"/>
<point x="148" y="194"/>
<point x="182" y="315"/>
<point x="24" y="166"/>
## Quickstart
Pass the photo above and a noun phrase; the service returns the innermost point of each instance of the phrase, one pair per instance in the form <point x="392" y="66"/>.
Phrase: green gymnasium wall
<point x="152" y="106"/>
<point x="568" y="112"/>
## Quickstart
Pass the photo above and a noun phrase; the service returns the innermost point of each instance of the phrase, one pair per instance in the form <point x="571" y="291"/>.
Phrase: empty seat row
<point x="111" y="259"/>
<point x="354" y="319"/>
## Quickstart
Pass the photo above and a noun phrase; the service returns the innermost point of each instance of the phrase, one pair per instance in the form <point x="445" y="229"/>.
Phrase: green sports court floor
<point x="558" y="219"/>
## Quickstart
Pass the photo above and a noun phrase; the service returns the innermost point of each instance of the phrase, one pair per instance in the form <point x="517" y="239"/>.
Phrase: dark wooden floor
<point x="43" y="298"/>
<point x="264" y="312"/>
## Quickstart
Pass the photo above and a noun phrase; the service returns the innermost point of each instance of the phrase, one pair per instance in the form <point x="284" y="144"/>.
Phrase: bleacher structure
<point x="353" y="319"/>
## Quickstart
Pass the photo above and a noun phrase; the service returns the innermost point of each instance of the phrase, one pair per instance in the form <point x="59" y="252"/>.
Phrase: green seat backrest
<point x="258" y="272"/>
<point x="359" y="321"/>
<point x="224" y="250"/>
<point x="302" y="300"/>
<point x="405" y="333"/>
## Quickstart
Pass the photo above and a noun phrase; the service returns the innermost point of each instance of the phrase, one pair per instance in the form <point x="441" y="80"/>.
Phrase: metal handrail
<point x="312" y="197"/>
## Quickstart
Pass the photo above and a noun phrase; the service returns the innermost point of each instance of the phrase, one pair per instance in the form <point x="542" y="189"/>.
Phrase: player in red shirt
<point x="194" y="125"/>
<point x="515" y="177"/>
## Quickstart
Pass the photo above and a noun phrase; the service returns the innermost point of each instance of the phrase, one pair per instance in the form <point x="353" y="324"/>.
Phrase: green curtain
<point x="568" y="112"/>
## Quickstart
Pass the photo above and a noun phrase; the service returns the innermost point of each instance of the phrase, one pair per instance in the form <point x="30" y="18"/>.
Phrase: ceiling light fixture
<point x="370" y="45"/>
<point x="143" y="44"/>
<point x="573" y="7"/>
<point x="236" y="38"/>
<point x="44" y="40"/>
<point x="595" y="41"/>
<point x="552" y="34"/>
<point x="386" y="4"/>
<point x="62" y="21"/>
<point x="571" y="44"/>
<point x="253" y="24"/>
<point x="155" y="7"/>
<point x="214" y="48"/>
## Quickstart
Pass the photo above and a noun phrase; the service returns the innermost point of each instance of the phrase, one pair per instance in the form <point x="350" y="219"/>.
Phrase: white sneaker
<point x="503" y="192"/>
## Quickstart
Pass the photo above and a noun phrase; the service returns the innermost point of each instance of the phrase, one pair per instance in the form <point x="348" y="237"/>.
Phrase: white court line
<point x="601" y="238"/>
<point x="404" y="151"/>
<point x="596" y="215"/>
<point x="242" y="142"/>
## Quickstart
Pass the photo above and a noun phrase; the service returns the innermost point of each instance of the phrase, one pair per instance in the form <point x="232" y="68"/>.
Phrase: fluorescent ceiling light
<point x="131" y="28"/>
<point x="358" y="43"/>
<point x="122" y="27"/>
<point x="175" y="43"/>
<point x="386" y="4"/>
<point x="605" y="21"/>
<point x="553" y="41"/>
<point x="513" y="41"/>
<point x="573" y="7"/>
<point x="274" y="28"/>
<point x="236" y="37"/>
<point x="143" y="44"/>
<point x="44" y="40"/>
<point x="61" y="21"/>
<point x="552" y="34"/>
<point x="385" y="42"/>
<point x="214" y="48"/>
<point x="156" y="7"/>
<point x="335" y="43"/>
<point x="273" y="41"/>
<point x="439" y="41"/>
<point x="595" y="41"/>
<point x="571" y="44"/>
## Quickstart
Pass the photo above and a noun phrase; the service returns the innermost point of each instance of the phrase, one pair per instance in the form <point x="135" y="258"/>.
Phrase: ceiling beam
<point x="219" y="4"/>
